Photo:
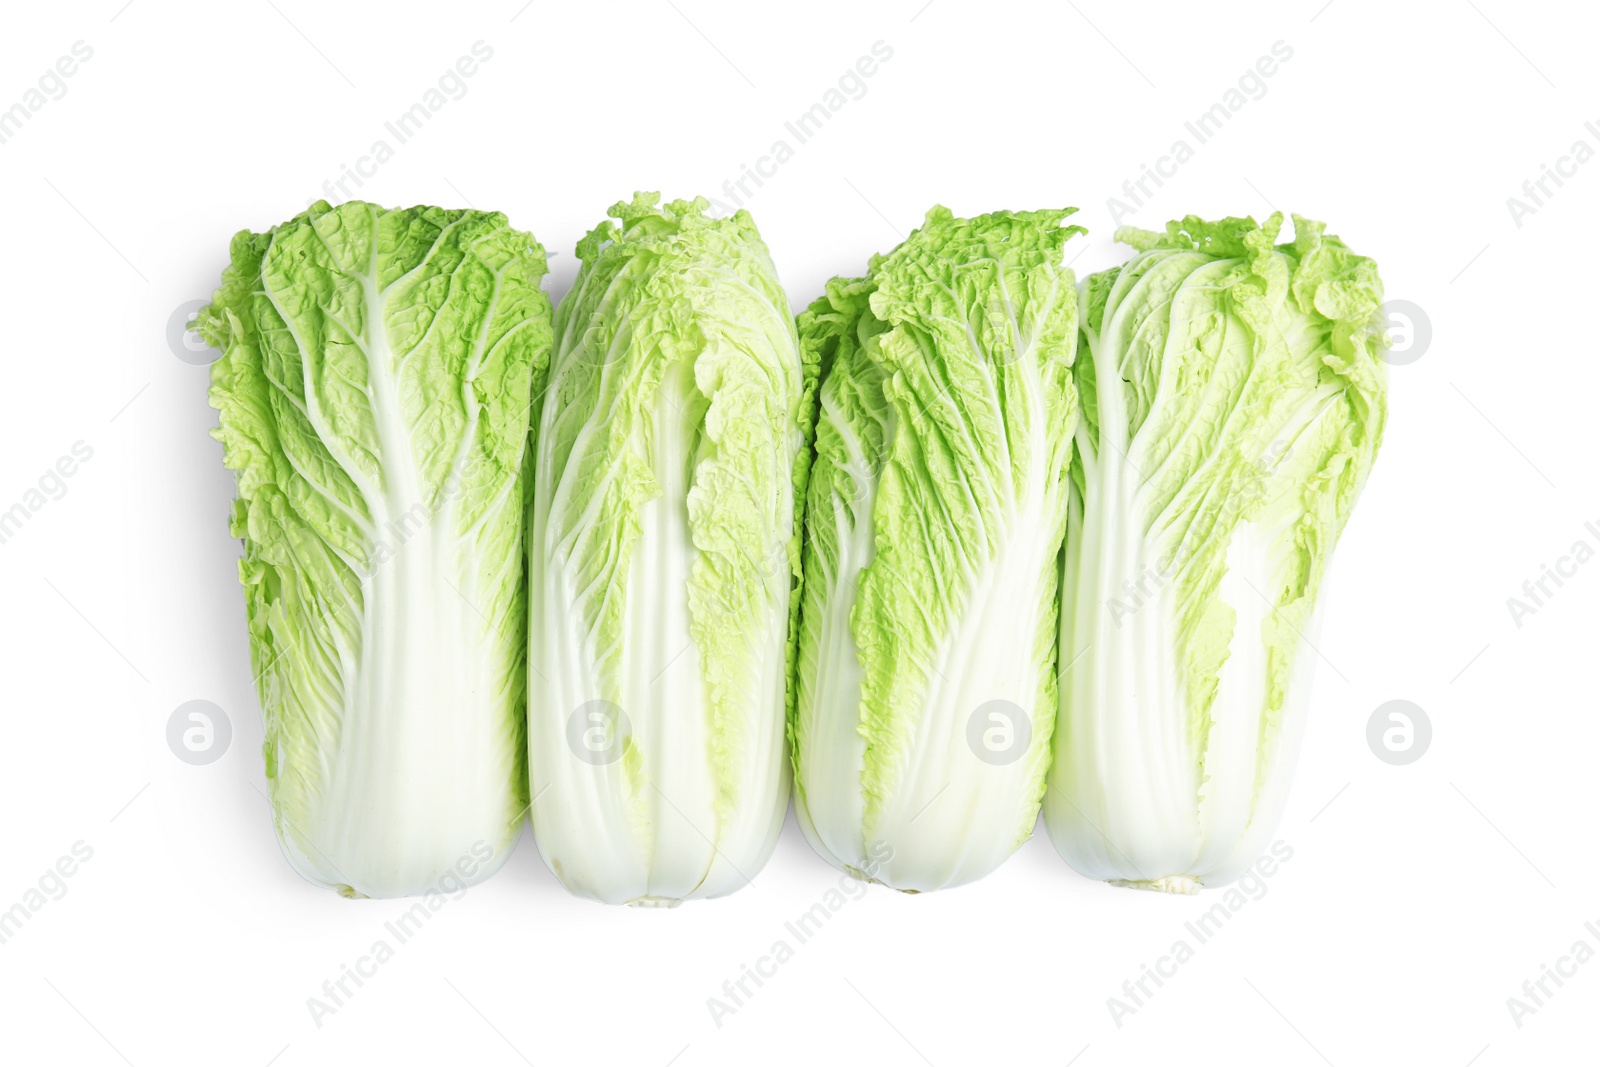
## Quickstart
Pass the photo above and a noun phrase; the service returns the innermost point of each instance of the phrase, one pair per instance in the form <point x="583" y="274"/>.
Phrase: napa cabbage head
<point x="1234" y="399"/>
<point x="664" y="558"/>
<point x="935" y="513"/>
<point x="373" y="392"/>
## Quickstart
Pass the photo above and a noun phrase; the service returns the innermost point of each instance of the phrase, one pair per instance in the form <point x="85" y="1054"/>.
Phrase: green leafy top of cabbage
<point x="1254" y="391"/>
<point x="661" y="288"/>
<point x="948" y="405"/>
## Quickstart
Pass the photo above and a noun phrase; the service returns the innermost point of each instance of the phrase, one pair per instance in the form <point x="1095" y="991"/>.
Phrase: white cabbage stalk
<point x="1233" y="399"/>
<point x="935" y="512"/>
<point x="663" y="551"/>
<point x="374" y="391"/>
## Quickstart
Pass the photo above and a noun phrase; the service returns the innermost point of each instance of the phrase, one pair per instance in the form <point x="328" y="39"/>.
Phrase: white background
<point x="1419" y="898"/>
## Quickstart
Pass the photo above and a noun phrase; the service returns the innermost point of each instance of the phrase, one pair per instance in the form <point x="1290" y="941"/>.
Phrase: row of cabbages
<point x="967" y="537"/>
